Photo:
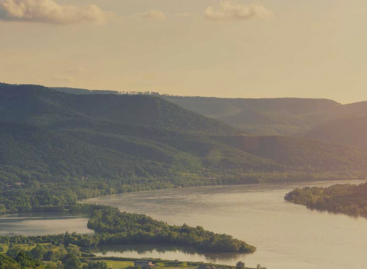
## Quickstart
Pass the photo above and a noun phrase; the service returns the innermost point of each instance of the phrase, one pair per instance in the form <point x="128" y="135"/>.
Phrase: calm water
<point x="166" y="252"/>
<point x="43" y="224"/>
<point x="288" y="236"/>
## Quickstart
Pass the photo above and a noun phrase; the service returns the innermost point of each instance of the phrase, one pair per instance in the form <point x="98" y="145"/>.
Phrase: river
<point x="287" y="236"/>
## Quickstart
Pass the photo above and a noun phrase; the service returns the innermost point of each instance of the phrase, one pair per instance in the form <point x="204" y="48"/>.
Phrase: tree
<point x="26" y="261"/>
<point x="71" y="261"/>
<point x="62" y="251"/>
<point x="13" y="251"/>
<point x="38" y="252"/>
<point x="240" y="265"/>
<point x="73" y="249"/>
<point x="2" y="209"/>
<point x="96" y="265"/>
<point x="50" y="256"/>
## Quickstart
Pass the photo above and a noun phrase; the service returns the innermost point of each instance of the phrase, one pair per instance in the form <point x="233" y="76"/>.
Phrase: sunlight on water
<point x="287" y="236"/>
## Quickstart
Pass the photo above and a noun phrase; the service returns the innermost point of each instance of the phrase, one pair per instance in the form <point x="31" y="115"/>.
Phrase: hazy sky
<point x="244" y="48"/>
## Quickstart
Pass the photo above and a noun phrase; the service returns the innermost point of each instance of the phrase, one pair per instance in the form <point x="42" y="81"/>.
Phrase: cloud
<point x="48" y="11"/>
<point x="232" y="11"/>
<point x="154" y="15"/>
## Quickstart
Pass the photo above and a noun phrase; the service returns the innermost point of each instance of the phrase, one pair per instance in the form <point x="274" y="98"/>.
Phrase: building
<point x="143" y="264"/>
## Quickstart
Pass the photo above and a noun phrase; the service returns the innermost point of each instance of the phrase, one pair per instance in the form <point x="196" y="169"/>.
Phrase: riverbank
<point x="57" y="197"/>
<point x="122" y="263"/>
<point x="256" y="213"/>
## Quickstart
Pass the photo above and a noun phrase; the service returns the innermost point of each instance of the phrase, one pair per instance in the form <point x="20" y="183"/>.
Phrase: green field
<point x="119" y="264"/>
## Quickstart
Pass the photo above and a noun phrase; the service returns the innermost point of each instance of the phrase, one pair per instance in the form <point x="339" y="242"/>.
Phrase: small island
<point x="123" y="228"/>
<point x="347" y="199"/>
<point x="112" y="227"/>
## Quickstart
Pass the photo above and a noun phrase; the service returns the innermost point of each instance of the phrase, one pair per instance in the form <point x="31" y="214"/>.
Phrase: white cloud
<point x="48" y="11"/>
<point x="154" y="15"/>
<point x="232" y="11"/>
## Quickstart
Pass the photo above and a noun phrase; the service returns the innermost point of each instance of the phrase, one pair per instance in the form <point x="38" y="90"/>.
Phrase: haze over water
<point x="287" y="236"/>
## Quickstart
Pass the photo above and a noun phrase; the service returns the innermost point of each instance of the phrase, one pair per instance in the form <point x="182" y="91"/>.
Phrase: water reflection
<point x="163" y="252"/>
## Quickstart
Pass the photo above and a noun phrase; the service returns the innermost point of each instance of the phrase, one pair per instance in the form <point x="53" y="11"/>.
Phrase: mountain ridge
<point x="266" y="116"/>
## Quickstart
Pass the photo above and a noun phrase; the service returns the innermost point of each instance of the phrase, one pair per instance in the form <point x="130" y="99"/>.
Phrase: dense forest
<point x="347" y="199"/>
<point x="56" y="148"/>
<point x="133" y="228"/>
<point x="27" y="260"/>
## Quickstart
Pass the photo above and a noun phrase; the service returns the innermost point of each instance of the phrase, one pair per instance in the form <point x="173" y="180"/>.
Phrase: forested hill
<point x="43" y="106"/>
<point x="57" y="147"/>
<point x="30" y="153"/>
<point x="272" y="116"/>
<point x="311" y="155"/>
<point x="278" y="116"/>
<point x="351" y="131"/>
<point x="223" y="106"/>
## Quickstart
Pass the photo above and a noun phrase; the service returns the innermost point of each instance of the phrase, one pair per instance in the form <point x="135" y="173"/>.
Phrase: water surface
<point x="43" y="223"/>
<point x="287" y="236"/>
<point x="162" y="251"/>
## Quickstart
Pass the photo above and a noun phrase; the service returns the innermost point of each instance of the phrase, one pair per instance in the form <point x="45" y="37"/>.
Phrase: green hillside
<point x="57" y="147"/>
<point x="43" y="106"/>
<point x="35" y="153"/>
<point x="277" y="116"/>
<point x="301" y="153"/>
<point x="351" y="131"/>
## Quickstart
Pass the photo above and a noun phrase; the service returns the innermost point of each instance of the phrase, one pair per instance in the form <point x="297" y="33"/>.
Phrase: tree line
<point x="347" y="199"/>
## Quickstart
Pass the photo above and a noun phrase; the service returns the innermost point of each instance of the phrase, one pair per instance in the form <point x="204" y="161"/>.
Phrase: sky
<point x="243" y="48"/>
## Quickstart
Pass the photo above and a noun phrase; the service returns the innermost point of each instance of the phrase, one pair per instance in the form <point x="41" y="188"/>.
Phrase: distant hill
<point x="351" y="131"/>
<point x="155" y="130"/>
<point x="311" y="155"/>
<point x="145" y="128"/>
<point x="277" y="116"/>
<point x="83" y="91"/>
<point x="66" y="146"/>
<point x="41" y="105"/>
<point x="290" y="105"/>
